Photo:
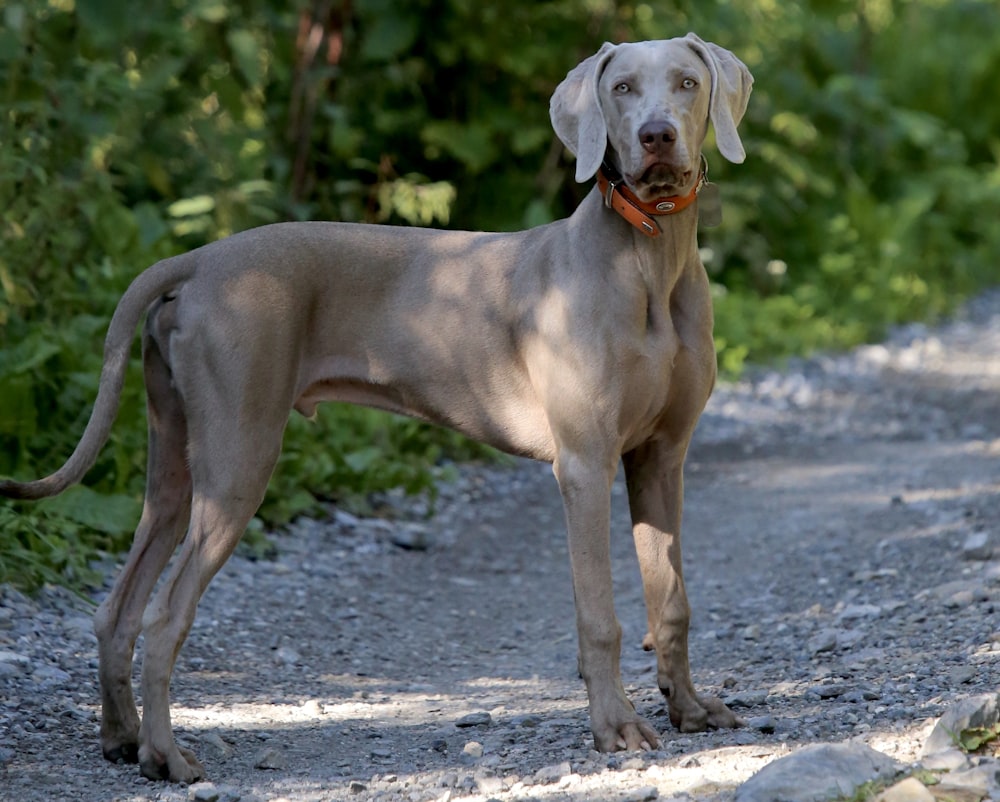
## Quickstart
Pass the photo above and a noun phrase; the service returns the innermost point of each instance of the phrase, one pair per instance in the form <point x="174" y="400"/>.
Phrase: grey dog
<point x="582" y="343"/>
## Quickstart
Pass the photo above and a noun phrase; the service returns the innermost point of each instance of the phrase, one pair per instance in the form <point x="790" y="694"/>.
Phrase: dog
<point x="584" y="343"/>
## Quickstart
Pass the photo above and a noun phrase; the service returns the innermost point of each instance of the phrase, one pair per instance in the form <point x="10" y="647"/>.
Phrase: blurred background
<point x="870" y="195"/>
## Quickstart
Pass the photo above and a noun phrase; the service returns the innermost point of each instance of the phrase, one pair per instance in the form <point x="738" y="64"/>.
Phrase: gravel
<point x="841" y="556"/>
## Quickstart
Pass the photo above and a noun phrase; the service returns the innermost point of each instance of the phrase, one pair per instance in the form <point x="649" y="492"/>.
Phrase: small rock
<point x="475" y="720"/>
<point x="963" y="675"/>
<point x="489" y="785"/>
<point x="854" y="611"/>
<point x="746" y="698"/>
<point x="983" y="780"/>
<point x="473" y="749"/>
<point x="203" y="792"/>
<point x="50" y="675"/>
<point x="216" y="747"/>
<point x="945" y="760"/>
<point x="553" y="773"/>
<point x="831" y="690"/>
<point x="689" y="762"/>
<point x="357" y="787"/>
<point x="270" y="759"/>
<point x="960" y="599"/>
<point x="823" y="641"/>
<point x="645" y="794"/>
<point x="908" y="790"/>
<point x="411" y="537"/>
<point x="287" y="656"/>
<point x="977" y="547"/>
<point x="16" y="663"/>
<point x="765" y="724"/>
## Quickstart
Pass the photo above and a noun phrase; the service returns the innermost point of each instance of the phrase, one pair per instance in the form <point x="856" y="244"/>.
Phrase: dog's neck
<point x="642" y="215"/>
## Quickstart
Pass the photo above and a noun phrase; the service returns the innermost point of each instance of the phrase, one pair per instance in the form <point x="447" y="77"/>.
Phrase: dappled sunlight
<point x="382" y="704"/>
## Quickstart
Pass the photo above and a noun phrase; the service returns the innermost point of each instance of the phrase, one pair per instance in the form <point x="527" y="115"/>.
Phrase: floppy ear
<point x="575" y="111"/>
<point x="731" y="84"/>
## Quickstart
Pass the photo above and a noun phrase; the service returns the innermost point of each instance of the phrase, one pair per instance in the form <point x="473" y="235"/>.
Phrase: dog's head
<point x="646" y="107"/>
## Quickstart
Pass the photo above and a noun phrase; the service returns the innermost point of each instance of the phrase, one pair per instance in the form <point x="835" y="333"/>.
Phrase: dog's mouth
<point x="660" y="180"/>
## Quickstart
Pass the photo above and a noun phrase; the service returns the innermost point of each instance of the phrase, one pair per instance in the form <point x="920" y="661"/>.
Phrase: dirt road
<point x="839" y="533"/>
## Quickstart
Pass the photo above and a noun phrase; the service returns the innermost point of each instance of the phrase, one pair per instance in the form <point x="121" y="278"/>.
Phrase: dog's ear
<point x="576" y="114"/>
<point x="731" y="84"/>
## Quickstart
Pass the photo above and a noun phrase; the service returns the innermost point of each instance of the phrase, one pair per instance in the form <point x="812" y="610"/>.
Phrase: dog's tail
<point x="144" y="289"/>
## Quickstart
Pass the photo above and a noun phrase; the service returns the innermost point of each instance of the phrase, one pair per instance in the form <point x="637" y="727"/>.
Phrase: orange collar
<point x="639" y="213"/>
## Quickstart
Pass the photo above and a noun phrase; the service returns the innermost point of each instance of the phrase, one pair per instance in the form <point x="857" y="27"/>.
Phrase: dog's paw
<point x="177" y="765"/>
<point x="706" y="713"/>
<point x="122" y="753"/>
<point x="633" y="735"/>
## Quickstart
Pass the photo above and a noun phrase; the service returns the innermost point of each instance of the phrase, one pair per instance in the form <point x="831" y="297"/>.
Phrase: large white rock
<point x="817" y="773"/>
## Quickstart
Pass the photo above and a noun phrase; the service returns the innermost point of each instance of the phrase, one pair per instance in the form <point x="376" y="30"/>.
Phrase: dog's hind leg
<point x="164" y="519"/>
<point x="231" y="463"/>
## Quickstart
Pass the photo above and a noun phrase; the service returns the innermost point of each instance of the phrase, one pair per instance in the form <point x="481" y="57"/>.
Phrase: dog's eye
<point x="623" y="88"/>
<point x="689" y="83"/>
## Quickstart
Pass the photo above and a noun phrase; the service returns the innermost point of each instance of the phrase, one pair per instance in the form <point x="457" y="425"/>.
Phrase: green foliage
<point x="872" y="178"/>
<point x="869" y="196"/>
<point x="973" y="739"/>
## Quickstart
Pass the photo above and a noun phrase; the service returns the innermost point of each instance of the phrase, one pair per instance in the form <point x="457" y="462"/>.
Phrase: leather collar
<point x="638" y="213"/>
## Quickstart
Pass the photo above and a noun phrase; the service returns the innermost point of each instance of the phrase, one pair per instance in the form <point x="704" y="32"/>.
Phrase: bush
<point x="869" y="197"/>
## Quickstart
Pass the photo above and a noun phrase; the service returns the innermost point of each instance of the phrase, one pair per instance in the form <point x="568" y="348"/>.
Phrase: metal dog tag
<point x="709" y="205"/>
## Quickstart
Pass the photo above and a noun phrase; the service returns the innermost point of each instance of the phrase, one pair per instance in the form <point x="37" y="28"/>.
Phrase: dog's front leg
<point x="654" y="473"/>
<point x="586" y="492"/>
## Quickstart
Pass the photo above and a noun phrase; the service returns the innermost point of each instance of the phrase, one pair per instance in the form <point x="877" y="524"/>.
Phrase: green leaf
<point x="361" y="460"/>
<point x="973" y="738"/>
<point x="191" y="207"/>
<point x="110" y="514"/>
<point x="470" y="143"/>
<point x="246" y="52"/>
<point x="389" y="35"/>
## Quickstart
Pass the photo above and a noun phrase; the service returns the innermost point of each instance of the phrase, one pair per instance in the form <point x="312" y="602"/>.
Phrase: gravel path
<point x="839" y="531"/>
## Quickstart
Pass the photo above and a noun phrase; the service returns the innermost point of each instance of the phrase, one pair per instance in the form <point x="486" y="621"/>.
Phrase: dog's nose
<point x="657" y="136"/>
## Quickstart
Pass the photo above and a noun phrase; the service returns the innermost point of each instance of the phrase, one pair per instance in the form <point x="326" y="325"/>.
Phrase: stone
<point x="823" y="641"/>
<point x="746" y="698"/>
<point x="908" y="790"/>
<point x="203" y="792"/>
<point x="977" y="547"/>
<point x="817" y="773"/>
<point x="553" y="773"/>
<point x="50" y="675"/>
<point x="210" y="792"/>
<point x="411" y="537"/>
<point x="287" y="656"/>
<point x="357" y="787"/>
<point x="16" y="663"/>
<point x="270" y="759"/>
<point x="960" y="599"/>
<point x="473" y="749"/>
<point x="976" y="711"/>
<point x="852" y="612"/>
<point x="215" y="746"/>
<point x="946" y="760"/>
<point x="489" y="785"/>
<point x="482" y="719"/>
<point x="645" y="794"/>
<point x="765" y="724"/>
<point x="983" y="779"/>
